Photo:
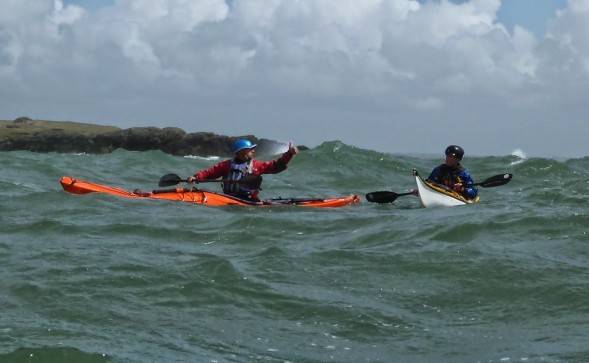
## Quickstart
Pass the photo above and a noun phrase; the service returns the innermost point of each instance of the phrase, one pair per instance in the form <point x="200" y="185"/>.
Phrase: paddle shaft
<point x="402" y="194"/>
<point x="173" y="179"/>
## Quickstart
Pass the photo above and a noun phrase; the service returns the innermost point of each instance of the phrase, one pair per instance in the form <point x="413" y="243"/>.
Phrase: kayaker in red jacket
<point x="242" y="174"/>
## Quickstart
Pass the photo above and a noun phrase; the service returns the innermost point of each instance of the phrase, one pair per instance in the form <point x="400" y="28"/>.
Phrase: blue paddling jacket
<point x="449" y="176"/>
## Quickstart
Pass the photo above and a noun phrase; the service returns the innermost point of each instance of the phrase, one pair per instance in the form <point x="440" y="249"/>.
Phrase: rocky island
<point x="24" y="133"/>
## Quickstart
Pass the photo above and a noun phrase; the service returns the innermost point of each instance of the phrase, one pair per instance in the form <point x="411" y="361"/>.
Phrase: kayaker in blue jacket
<point x="453" y="175"/>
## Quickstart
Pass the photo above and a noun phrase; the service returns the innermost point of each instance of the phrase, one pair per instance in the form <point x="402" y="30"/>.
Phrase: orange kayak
<point x="197" y="196"/>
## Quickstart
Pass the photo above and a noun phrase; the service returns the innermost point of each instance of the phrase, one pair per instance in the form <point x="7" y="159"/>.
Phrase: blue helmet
<point x="242" y="144"/>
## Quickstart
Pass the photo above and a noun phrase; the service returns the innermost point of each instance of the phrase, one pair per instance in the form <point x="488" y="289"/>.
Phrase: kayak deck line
<point x="199" y="196"/>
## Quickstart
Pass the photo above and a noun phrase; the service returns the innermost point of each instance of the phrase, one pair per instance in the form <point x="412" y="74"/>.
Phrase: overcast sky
<point x="397" y="76"/>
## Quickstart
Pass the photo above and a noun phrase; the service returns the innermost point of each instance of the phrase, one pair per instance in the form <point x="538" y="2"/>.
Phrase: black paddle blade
<point x="169" y="180"/>
<point x="495" y="181"/>
<point x="385" y="196"/>
<point x="381" y="197"/>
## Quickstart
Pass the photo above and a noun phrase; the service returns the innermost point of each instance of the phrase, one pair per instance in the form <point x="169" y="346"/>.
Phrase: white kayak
<point x="436" y="195"/>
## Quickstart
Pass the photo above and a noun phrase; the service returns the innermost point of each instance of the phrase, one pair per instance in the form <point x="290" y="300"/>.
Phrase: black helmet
<point x="455" y="150"/>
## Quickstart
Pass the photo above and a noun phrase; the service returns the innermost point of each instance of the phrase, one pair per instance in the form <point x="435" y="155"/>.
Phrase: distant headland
<point x="24" y="133"/>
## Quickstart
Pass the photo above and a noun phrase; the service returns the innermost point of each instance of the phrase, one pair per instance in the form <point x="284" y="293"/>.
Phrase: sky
<point x="394" y="76"/>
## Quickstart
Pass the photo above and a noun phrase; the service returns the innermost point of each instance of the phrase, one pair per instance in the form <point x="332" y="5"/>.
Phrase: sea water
<point x="96" y="278"/>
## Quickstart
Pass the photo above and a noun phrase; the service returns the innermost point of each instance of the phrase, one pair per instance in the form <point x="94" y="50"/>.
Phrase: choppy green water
<point x="95" y="278"/>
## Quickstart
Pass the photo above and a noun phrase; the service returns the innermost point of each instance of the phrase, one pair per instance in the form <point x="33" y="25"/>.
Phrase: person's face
<point x="246" y="154"/>
<point x="451" y="160"/>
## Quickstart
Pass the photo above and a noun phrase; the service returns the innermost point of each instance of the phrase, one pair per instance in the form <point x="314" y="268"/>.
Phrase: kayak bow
<point x="197" y="196"/>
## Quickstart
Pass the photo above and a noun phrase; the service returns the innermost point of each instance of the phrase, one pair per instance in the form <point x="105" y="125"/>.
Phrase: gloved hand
<point x="192" y="179"/>
<point x="254" y="195"/>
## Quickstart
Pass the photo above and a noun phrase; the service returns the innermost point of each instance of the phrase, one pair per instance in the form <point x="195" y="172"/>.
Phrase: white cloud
<point x="160" y="17"/>
<point x="326" y="66"/>
<point x="66" y="15"/>
<point x="571" y="31"/>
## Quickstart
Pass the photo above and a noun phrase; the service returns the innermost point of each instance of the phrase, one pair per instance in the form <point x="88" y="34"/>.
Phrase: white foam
<point x="202" y="157"/>
<point x="520" y="154"/>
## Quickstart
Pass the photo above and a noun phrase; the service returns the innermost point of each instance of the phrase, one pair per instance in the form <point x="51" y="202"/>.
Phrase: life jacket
<point x="238" y="171"/>
<point x="451" y="176"/>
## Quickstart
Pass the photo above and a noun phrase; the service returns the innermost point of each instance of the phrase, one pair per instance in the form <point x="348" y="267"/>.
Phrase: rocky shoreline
<point x="24" y="133"/>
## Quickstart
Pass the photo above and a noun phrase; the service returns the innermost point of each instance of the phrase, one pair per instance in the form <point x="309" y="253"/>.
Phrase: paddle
<point x="389" y="197"/>
<point x="252" y="181"/>
<point x="494" y="181"/>
<point x="169" y="180"/>
<point x="384" y="196"/>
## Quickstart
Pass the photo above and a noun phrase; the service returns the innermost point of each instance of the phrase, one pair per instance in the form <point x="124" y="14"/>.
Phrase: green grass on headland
<point x="26" y="126"/>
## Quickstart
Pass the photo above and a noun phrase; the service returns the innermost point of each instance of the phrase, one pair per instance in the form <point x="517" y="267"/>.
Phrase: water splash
<point x="202" y="157"/>
<point x="280" y="148"/>
<point x="520" y="155"/>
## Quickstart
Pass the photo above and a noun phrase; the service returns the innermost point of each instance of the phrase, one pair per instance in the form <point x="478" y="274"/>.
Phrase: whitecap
<point x="202" y="157"/>
<point x="520" y="155"/>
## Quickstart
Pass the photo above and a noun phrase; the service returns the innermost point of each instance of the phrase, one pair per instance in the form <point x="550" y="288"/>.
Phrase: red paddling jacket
<point x="233" y="170"/>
